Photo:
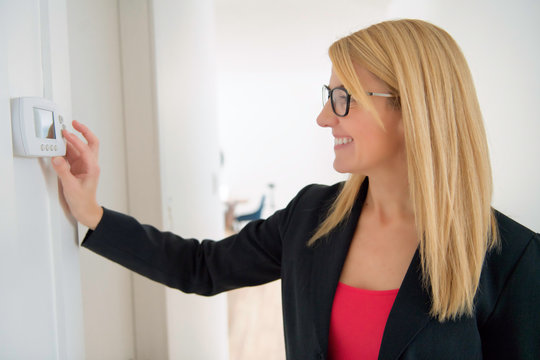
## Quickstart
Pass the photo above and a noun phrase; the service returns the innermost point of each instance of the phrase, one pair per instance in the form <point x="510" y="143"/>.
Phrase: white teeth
<point x="341" y="141"/>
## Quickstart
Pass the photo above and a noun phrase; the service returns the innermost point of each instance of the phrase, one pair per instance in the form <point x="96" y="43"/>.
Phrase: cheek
<point x="399" y="137"/>
<point x="394" y="134"/>
<point x="380" y="143"/>
<point x="373" y="136"/>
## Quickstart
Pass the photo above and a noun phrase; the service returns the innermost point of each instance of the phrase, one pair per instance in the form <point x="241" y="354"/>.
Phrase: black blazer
<point x="506" y="323"/>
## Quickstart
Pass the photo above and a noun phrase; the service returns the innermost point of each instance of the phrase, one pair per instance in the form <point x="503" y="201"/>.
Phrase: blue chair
<point x="254" y="215"/>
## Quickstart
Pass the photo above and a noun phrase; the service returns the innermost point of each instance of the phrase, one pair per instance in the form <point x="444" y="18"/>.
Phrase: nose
<point x="327" y="118"/>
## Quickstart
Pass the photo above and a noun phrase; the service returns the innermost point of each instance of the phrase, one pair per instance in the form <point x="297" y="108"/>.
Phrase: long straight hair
<point x="449" y="172"/>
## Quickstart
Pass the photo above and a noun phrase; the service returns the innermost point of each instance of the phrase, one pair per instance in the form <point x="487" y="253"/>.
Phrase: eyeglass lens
<point x="339" y="99"/>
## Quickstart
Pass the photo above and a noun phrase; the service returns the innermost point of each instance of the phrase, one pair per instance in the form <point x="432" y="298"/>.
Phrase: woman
<point x="405" y="260"/>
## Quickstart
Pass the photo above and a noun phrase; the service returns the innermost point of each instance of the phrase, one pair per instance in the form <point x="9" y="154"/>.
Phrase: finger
<point x="91" y="138"/>
<point x="79" y="145"/>
<point x="72" y="154"/>
<point x="61" y="167"/>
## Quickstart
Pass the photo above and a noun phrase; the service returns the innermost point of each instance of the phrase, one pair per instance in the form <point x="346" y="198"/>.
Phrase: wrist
<point x="94" y="217"/>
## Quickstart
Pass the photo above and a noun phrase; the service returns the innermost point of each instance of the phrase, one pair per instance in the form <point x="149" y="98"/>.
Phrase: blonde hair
<point x="449" y="172"/>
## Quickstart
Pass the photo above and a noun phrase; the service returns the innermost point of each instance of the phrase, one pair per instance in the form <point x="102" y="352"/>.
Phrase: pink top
<point x="357" y="322"/>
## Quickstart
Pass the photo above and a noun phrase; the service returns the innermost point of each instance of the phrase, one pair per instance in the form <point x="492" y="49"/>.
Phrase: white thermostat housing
<point x="37" y="128"/>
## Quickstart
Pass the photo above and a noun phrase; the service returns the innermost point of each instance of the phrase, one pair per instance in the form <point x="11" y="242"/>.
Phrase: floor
<point x="256" y="323"/>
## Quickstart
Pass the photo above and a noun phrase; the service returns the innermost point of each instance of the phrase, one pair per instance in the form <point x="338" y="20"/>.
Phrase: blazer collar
<point x="410" y="312"/>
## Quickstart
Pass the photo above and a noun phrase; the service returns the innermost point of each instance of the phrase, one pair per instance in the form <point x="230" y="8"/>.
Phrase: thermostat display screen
<point x="44" y="124"/>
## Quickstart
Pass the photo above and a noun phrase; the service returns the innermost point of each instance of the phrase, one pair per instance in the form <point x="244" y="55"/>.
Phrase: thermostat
<point x="36" y="128"/>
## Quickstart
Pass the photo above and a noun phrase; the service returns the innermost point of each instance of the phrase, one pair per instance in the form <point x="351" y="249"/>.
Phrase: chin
<point x="341" y="171"/>
<point x="344" y="168"/>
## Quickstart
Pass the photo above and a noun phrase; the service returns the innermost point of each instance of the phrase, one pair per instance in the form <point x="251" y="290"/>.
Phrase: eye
<point x="340" y="95"/>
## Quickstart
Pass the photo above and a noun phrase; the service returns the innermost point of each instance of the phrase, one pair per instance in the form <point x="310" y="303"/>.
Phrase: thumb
<point x="61" y="167"/>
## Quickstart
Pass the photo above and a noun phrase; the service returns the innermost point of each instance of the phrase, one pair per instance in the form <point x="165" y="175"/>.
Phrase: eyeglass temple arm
<point x="380" y="94"/>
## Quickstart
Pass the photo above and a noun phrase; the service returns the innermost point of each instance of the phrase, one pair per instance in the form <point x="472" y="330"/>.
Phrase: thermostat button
<point x="55" y="147"/>
<point x="42" y="147"/>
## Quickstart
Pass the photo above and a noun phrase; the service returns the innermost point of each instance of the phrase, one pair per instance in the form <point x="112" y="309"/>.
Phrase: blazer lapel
<point x="329" y="255"/>
<point x="409" y="314"/>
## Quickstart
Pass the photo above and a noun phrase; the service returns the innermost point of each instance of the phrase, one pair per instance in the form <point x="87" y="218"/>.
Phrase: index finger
<point x="80" y="146"/>
<point x="91" y="139"/>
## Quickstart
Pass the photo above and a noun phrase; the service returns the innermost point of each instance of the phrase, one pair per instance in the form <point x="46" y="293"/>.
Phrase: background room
<point x="198" y="103"/>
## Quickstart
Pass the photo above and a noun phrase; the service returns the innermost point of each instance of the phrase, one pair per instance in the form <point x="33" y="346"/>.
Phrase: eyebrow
<point x="335" y="87"/>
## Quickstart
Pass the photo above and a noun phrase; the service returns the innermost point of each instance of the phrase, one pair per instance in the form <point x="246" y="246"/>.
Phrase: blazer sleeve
<point x="513" y="328"/>
<point x="251" y="257"/>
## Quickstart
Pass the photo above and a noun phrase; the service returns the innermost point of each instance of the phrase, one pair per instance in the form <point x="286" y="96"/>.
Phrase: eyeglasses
<point x="341" y="99"/>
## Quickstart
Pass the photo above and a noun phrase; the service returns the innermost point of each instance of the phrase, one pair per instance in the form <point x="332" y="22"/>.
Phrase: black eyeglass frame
<point x="348" y="105"/>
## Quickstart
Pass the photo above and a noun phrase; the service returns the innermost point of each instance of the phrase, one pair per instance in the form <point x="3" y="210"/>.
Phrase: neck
<point x="388" y="197"/>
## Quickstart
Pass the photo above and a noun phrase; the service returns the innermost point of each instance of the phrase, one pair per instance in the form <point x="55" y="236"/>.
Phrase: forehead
<point x="335" y="81"/>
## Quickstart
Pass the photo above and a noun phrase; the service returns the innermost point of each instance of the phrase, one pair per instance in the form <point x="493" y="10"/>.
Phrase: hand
<point x="79" y="174"/>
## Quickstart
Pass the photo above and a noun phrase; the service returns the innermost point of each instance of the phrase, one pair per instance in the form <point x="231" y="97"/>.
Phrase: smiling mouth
<point x="342" y="141"/>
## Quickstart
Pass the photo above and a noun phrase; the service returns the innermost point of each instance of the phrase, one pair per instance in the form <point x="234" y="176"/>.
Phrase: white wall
<point x="96" y="83"/>
<point x="189" y="159"/>
<point x="136" y="65"/>
<point x="40" y="306"/>
<point x="143" y="166"/>
<point x="272" y="62"/>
